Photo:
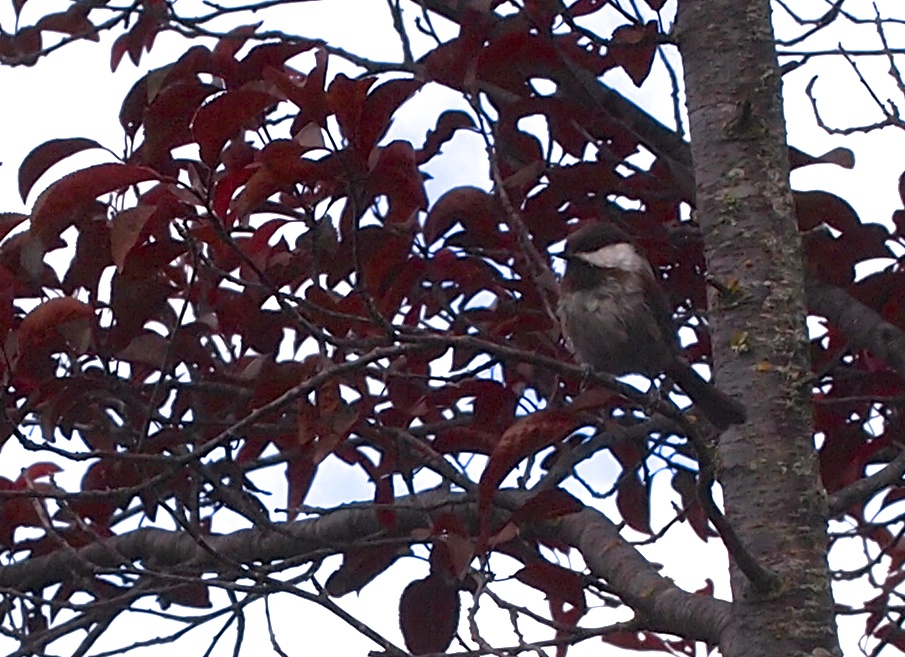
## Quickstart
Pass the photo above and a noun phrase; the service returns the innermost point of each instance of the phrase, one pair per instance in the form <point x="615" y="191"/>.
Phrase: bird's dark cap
<point x="591" y="237"/>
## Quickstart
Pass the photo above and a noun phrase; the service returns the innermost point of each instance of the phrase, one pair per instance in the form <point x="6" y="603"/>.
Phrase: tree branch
<point x="864" y="327"/>
<point x="860" y="490"/>
<point x="658" y="602"/>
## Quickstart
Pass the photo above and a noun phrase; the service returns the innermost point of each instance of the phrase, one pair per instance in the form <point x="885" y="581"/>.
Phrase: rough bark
<point x="768" y="467"/>
<point x="174" y="555"/>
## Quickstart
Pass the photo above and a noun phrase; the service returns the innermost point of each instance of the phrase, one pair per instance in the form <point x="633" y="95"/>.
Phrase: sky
<point x="73" y="94"/>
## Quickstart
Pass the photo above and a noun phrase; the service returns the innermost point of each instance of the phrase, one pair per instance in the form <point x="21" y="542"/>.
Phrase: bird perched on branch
<point x="616" y="318"/>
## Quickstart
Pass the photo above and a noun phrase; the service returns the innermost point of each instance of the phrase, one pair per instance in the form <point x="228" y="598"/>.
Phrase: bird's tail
<point x="721" y="409"/>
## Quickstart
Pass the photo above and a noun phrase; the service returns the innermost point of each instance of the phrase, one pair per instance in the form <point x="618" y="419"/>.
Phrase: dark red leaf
<point x="633" y="501"/>
<point x="530" y="434"/>
<point x="585" y="7"/>
<point x="92" y="257"/>
<point x="166" y="120"/>
<point x="187" y="594"/>
<point x="429" y="615"/>
<point x="511" y="57"/>
<point x="266" y="55"/>
<point x="58" y="204"/>
<point x="384" y="498"/>
<point x="447" y="124"/>
<point x="223" y="117"/>
<point x="118" y="50"/>
<point x="474" y="208"/>
<point x="633" y="48"/>
<point x="346" y="98"/>
<point x="842" y="157"/>
<point x="305" y="91"/>
<point x="106" y="476"/>
<point x="140" y="38"/>
<point x="380" y="106"/>
<point x="685" y="483"/>
<point x="36" y="471"/>
<point x="9" y="221"/>
<point x="300" y="473"/>
<point x="125" y="230"/>
<point x="360" y="566"/>
<point x="546" y="505"/>
<point x="229" y="44"/>
<point x="557" y="582"/>
<point x="27" y="44"/>
<point x="816" y="207"/>
<point x="74" y="21"/>
<point x="891" y="634"/>
<point x="51" y="324"/>
<point x="902" y="188"/>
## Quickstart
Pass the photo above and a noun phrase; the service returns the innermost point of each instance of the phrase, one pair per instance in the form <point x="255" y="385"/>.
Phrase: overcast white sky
<point x="72" y="93"/>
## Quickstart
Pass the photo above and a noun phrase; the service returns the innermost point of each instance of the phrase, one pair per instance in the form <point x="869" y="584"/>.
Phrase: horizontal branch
<point x="863" y="327"/>
<point x="659" y="604"/>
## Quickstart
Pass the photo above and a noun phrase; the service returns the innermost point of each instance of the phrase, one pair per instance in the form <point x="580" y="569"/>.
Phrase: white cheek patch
<point x="616" y="256"/>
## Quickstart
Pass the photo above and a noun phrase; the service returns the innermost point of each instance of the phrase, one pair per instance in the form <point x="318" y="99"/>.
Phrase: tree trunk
<point x="768" y="467"/>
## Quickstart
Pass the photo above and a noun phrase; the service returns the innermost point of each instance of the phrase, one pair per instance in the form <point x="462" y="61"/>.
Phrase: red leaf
<point x="474" y="208"/>
<point x="73" y="21"/>
<point x="842" y="157"/>
<point x="360" y="566"/>
<point x="56" y="206"/>
<point x="125" y="230"/>
<point x="305" y="91"/>
<point x="346" y="98"/>
<point x="188" y="594"/>
<point x="380" y="106"/>
<point x="119" y="48"/>
<point x="902" y="188"/>
<point x="546" y="505"/>
<point x="140" y="37"/>
<point x="300" y="471"/>
<point x="396" y="175"/>
<point x="167" y="117"/>
<point x="26" y="46"/>
<point x="224" y="52"/>
<point x="509" y="58"/>
<point x="281" y="167"/>
<point x="384" y="497"/>
<point x="633" y="48"/>
<point x="447" y="124"/>
<point x="106" y="476"/>
<point x="429" y="615"/>
<point x="816" y="207"/>
<point x="565" y="592"/>
<point x="9" y="221"/>
<point x="530" y="434"/>
<point x="584" y="7"/>
<point x="36" y="471"/>
<point x="266" y="55"/>
<point x="223" y="117"/>
<point x="633" y="501"/>
<point x="48" y="326"/>
<point x="685" y="483"/>
<point x="226" y="187"/>
<point x="557" y="582"/>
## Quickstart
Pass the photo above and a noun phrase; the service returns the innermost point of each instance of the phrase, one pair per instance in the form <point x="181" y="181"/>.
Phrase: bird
<point x="616" y="318"/>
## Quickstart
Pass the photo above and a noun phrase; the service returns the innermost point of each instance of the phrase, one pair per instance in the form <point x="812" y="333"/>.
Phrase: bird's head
<point x="604" y="246"/>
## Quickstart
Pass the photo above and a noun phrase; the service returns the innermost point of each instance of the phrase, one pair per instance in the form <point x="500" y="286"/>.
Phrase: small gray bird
<point x="617" y="320"/>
